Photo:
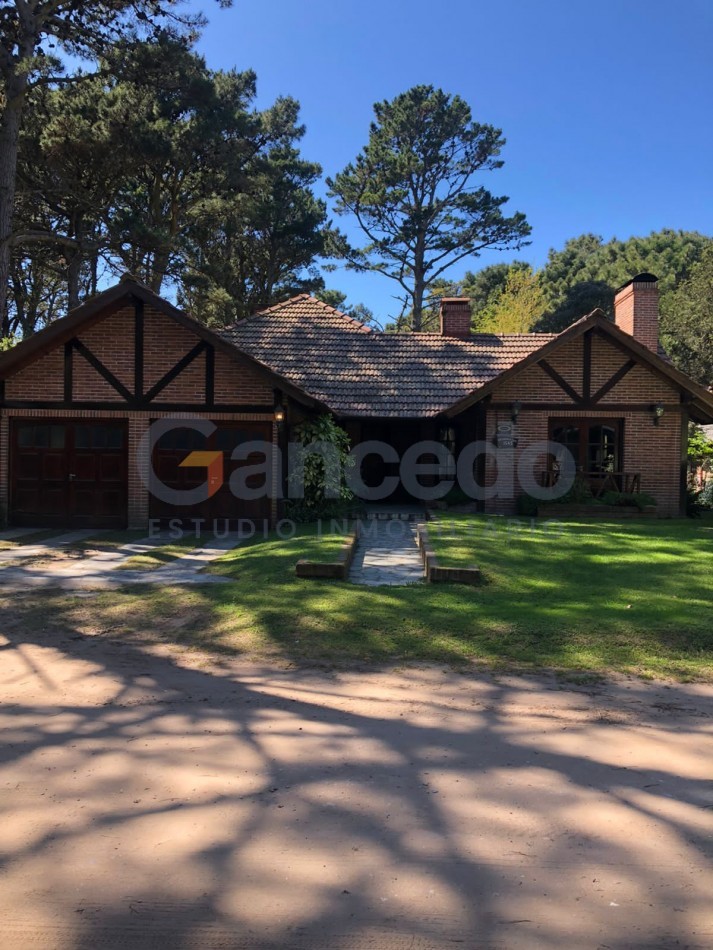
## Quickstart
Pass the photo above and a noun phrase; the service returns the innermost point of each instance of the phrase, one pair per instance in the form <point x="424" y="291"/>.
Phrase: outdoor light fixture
<point x="279" y="412"/>
<point x="658" y="411"/>
<point x="515" y="409"/>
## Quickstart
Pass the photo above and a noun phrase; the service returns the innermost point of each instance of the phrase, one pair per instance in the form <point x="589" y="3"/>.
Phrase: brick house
<point x="78" y="397"/>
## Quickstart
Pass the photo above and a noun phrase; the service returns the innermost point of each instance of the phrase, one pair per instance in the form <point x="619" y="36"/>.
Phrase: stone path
<point x="43" y="548"/>
<point x="386" y="554"/>
<point x="102" y="571"/>
<point x="11" y="534"/>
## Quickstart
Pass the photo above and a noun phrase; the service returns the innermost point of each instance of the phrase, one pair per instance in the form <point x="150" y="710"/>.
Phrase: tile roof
<point x="368" y="373"/>
<point x="306" y="307"/>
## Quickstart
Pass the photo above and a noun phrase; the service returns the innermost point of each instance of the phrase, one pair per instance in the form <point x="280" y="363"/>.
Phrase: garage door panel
<point x="53" y="466"/>
<point x="111" y="468"/>
<point x="175" y="446"/>
<point x="84" y="467"/>
<point x="68" y="473"/>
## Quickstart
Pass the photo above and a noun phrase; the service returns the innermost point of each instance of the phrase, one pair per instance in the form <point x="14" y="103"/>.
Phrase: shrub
<point x="317" y="502"/>
<point x="579" y="494"/>
<point x="527" y="505"/>
<point x="694" y="503"/>
<point x="456" y="496"/>
<point x="639" y="500"/>
<point x="706" y="496"/>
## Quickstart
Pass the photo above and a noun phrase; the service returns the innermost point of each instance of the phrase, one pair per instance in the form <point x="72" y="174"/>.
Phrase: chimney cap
<point x="463" y="301"/>
<point x="644" y="278"/>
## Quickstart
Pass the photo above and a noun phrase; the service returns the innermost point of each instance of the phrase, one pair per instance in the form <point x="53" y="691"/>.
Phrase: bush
<point x="706" y="496"/>
<point x="319" y="484"/>
<point x="456" y="496"/>
<point x="638" y="500"/>
<point x="695" y="506"/>
<point x="527" y="505"/>
<point x="304" y="513"/>
<point x="579" y="494"/>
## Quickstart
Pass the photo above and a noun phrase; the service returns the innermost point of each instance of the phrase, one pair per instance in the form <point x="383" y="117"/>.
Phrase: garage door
<point x="222" y="507"/>
<point x="68" y="474"/>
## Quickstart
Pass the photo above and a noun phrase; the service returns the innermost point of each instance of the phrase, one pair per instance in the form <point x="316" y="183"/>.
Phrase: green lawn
<point x="160" y="555"/>
<point x="633" y="597"/>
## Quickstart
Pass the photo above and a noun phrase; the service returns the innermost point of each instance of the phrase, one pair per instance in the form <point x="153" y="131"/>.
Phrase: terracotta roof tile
<point x="371" y="373"/>
<point x="307" y="307"/>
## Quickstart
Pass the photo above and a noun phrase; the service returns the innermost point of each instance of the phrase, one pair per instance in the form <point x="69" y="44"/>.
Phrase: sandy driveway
<point x="152" y="800"/>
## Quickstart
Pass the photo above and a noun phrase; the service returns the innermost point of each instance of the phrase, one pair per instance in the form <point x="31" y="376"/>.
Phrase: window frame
<point x="585" y="424"/>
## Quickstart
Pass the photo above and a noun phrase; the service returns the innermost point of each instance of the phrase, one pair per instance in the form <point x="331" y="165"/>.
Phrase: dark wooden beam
<point x="101" y="369"/>
<point x="611" y="383"/>
<point x="210" y="376"/>
<point x="562" y="383"/>
<point x="68" y="349"/>
<point x="134" y="406"/>
<point x="587" y="367"/>
<point x="176" y="370"/>
<point x="138" y="348"/>
<point x="584" y="407"/>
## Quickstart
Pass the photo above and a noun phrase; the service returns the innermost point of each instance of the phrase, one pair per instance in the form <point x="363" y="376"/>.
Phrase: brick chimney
<point x="455" y="317"/>
<point x="636" y="310"/>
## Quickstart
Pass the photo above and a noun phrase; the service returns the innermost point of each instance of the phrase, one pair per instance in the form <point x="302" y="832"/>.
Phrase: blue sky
<point x="606" y="106"/>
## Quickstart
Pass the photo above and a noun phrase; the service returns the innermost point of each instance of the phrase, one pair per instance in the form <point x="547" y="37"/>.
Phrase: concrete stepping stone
<point x="42" y="548"/>
<point x="387" y="554"/>
<point x="10" y="534"/>
<point x="102" y="573"/>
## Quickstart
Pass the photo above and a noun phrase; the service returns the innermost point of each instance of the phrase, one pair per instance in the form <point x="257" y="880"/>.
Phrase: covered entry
<point x="67" y="473"/>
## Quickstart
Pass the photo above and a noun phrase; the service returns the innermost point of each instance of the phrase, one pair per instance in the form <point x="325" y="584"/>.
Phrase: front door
<point x="68" y="474"/>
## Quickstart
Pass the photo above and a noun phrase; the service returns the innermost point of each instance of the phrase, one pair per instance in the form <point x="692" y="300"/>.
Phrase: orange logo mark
<point x="213" y="461"/>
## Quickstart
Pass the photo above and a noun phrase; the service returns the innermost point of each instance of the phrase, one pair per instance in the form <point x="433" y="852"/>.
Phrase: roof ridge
<point x="303" y="298"/>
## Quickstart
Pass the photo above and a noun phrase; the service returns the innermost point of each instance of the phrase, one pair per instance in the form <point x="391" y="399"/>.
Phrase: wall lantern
<point x="515" y="409"/>
<point x="279" y="412"/>
<point x="658" y="411"/>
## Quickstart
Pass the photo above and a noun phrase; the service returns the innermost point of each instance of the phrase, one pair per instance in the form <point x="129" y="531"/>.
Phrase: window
<point x="595" y="444"/>
<point x="98" y="437"/>
<point x="40" y="436"/>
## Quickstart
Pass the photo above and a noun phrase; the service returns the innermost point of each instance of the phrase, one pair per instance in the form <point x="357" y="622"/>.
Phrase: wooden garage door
<point x="71" y="474"/>
<point x="223" y="507"/>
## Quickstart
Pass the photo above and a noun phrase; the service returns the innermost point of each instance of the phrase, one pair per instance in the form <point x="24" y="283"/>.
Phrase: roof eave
<point x="85" y="315"/>
<point x="701" y="402"/>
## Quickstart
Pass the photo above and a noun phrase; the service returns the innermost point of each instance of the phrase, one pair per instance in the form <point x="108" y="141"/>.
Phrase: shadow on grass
<point x="634" y="598"/>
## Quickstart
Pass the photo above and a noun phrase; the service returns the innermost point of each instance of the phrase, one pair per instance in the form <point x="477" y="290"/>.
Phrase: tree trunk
<point x="419" y="290"/>
<point x="74" y="269"/>
<point x="15" y="92"/>
<point x="158" y="270"/>
<point x="419" y="284"/>
<point x="9" y="136"/>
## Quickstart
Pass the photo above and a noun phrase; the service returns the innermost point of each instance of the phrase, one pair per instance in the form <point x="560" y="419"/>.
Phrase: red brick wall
<point x="652" y="451"/>
<point x="111" y="340"/>
<point x="43" y="379"/>
<point x="455" y="317"/>
<point x="636" y="311"/>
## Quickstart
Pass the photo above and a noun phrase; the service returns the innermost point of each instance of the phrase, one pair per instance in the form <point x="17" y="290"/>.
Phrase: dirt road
<point x="158" y="800"/>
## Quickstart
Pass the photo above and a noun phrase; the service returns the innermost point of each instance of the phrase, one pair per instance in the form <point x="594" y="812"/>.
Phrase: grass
<point x="157" y="556"/>
<point x="632" y="597"/>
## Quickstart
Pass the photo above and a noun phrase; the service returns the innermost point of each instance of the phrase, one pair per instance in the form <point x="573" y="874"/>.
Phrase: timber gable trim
<point x="699" y="399"/>
<point x="64" y="332"/>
